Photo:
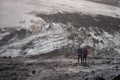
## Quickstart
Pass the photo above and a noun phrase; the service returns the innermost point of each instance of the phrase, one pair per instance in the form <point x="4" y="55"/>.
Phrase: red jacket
<point x="86" y="51"/>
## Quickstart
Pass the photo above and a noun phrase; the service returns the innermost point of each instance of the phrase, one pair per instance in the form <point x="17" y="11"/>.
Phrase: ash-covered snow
<point x="52" y="36"/>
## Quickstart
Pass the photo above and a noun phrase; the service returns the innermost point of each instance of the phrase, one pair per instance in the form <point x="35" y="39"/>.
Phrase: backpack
<point x="86" y="51"/>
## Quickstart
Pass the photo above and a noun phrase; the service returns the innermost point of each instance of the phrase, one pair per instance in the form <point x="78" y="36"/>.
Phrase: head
<point x="87" y="46"/>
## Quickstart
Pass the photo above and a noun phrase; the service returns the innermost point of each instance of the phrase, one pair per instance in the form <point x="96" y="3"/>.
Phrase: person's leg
<point x="85" y="58"/>
<point x="82" y="57"/>
<point x="78" y="59"/>
<point x="81" y="60"/>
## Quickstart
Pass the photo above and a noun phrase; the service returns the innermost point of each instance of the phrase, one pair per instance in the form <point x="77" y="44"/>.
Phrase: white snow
<point x="16" y="12"/>
<point x="87" y="42"/>
<point x="11" y="52"/>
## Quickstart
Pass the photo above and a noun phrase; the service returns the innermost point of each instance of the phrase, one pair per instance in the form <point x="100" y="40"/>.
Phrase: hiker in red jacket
<point x="86" y="52"/>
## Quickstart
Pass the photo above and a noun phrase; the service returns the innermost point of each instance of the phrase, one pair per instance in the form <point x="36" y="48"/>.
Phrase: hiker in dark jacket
<point x="79" y="51"/>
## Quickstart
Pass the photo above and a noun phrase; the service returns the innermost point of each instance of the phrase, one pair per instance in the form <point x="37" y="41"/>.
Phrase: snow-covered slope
<point x="17" y="12"/>
<point x="51" y="36"/>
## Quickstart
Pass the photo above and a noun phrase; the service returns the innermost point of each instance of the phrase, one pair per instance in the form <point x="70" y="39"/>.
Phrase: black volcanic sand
<point x="19" y="69"/>
<point x="12" y="69"/>
<point x="78" y="20"/>
<point x="109" y="2"/>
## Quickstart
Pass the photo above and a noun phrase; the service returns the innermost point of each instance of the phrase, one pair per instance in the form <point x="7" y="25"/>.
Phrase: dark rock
<point x="24" y="53"/>
<point x="9" y="57"/>
<point x="87" y="79"/>
<point x="28" y="45"/>
<point x="116" y="67"/>
<point x="117" y="77"/>
<point x="8" y="37"/>
<point x="22" y="33"/>
<point x="14" y="74"/>
<point x="33" y="72"/>
<point x="66" y="74"/>
<point x="93" y="72"/>
<point x="99" y="78"/>
<point x="93" y="62"/>
<point x="5" y="57"/>
<point x="108" y="62"/>
<point x="14" y="78"/>
<point x="75" y="64"/>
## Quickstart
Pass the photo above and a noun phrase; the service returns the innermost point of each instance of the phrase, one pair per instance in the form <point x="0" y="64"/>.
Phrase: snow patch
<point x="17" y="12"/>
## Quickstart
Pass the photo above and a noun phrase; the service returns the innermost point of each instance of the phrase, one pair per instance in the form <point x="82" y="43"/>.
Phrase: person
<point x="79" y="51"/>
<point x="85" y="53"/>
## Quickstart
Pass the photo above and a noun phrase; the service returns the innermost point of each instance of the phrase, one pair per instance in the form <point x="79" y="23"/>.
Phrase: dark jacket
<point x="79" y="51"/>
